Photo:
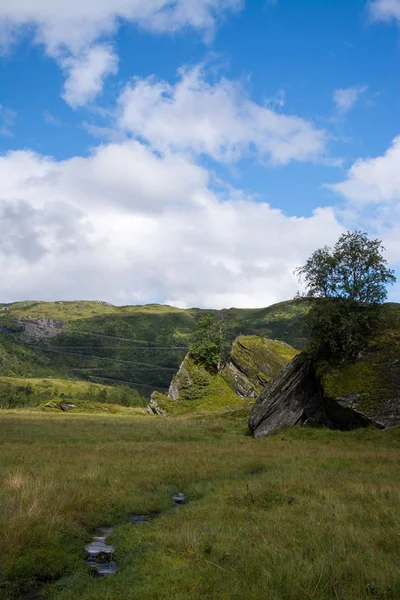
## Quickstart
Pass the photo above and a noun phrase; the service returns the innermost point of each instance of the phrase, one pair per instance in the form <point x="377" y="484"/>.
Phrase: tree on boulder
<point x="210" y="344"/>
<point x="347" y="286"/>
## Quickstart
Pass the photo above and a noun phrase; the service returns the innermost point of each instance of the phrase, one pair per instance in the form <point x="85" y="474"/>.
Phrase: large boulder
<point x="367" y="391"/>
<point x="292" y="398"/>
<point x="344" y="395"/>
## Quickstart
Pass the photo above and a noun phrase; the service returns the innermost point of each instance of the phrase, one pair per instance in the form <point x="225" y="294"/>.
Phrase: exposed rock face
<point x="252" y="362"/>
<point x="290" y="399"/>
<point x="66" y="406"/>
<point x="40" y="329"/>
<point x="154" y="407"/>
<point x="183" y="379"/>
<point x="347" y="395"/>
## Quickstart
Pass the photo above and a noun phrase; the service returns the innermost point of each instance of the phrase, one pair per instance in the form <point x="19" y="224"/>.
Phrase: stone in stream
<point x="179" y="498"/>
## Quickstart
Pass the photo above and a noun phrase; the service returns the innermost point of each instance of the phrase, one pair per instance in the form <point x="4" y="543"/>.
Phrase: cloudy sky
<point x="192" y="152"/>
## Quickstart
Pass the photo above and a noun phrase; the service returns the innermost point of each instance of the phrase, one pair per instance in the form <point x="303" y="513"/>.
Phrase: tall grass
<point x="305" y="514"/>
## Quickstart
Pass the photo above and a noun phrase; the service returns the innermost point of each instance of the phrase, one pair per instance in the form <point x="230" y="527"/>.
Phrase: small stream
<point x="100" y="555"/>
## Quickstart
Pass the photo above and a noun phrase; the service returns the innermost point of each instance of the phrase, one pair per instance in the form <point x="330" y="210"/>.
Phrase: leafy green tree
<point x="347" y="286"/>
<point x="210" y="344"/>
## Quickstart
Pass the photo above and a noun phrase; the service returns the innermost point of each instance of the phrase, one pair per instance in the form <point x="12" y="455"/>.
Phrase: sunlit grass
<point x="304" y="514"/>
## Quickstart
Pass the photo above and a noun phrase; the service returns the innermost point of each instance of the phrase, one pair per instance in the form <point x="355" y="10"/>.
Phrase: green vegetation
<point x="18" y="392"/>
<point x="199" y="391"/>
<point x="371" y="379"/>
<point x="348" y="287"/>
<point x="210" y="345"/>
<point x="141" y="346"/>
<point x="19" y="360"/>
<point x="304" y="514"/>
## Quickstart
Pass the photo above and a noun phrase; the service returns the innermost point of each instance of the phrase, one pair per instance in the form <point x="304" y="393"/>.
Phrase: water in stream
<point x="100" y="554"/>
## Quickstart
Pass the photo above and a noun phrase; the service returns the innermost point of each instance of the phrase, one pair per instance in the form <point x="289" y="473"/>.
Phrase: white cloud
<point x="86" y="74"/>
<point x="128" y="226"/>
<point x="215" y="119"/>
<point x="373" y="180"/>
<point x="7" y="120"/>
<point x="372" y="195"/>
<point x="70" y="30"/>
<point x="385" y="10"/>
<point x="346" y="98"/>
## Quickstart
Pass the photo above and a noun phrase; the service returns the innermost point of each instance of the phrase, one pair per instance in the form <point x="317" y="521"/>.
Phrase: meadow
<point x="305" y="514"/>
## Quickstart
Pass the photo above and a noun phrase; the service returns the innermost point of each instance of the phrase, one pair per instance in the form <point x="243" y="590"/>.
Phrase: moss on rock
<point x="252" y="362"/>
<point x="369" y="385"/>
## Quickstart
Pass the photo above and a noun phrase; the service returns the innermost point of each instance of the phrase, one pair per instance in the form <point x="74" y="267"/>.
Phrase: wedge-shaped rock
<point x="292" y="398"/>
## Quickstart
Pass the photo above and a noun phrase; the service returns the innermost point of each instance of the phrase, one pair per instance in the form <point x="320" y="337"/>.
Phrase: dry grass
<point x="307" y="514"/>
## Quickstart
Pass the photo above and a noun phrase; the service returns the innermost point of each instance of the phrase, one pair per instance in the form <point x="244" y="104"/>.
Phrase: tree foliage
<point x="209" y="342"/>
<point x="347" y="286"/>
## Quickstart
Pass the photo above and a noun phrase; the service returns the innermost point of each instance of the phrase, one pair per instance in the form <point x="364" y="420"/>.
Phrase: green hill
<point x="138" y="346"/>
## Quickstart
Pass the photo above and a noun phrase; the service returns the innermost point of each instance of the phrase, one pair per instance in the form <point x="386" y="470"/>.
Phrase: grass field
<point x="305" y="514"/>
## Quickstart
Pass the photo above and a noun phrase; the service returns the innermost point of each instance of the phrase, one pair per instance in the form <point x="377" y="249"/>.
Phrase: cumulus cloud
<point x="215" y="119"/>
<point x="346" y="98"/>
<point x="128" y="226"/>
<point x="372" y="200"/>
<point x="373" y="180"/>
<point x="86" y="74"/>
<point x="70" y="30"/>
<point x="385" y="10"/>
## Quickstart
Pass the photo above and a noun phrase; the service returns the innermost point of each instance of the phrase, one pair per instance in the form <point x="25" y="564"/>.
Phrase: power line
<point x="145" y="368"/>
<point x="113" y="337"/>
<point x="109" y="347"/>
<point x="90" y="356"/>
<point x="129" y="382"/>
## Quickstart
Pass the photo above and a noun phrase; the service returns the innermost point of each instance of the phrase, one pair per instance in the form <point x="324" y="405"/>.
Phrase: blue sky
<point x="193" y="151"/>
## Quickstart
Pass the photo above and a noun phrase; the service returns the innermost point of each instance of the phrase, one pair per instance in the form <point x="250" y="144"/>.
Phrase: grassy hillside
<point x="141" y="346"/>
<point x="18" y="392"/>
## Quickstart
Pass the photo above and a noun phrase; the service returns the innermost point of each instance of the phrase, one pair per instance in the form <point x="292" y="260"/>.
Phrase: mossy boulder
<point x="369" y="387"/>
<point x="344" y="395"/>
<point x="252" y="362"/>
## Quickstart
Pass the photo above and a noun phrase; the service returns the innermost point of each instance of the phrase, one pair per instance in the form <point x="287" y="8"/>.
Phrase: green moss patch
<point x="374" y="379"/>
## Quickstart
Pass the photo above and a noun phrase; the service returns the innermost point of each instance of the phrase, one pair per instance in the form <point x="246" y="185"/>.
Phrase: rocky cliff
<point x="343" y="395"/>
<point x="252" y="362"/>
<point x="37" y="330"/>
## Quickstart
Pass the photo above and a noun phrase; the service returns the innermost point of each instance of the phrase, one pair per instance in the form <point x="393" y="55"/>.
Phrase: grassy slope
<point x="17" y="392"/>
<point x="303" y="514"/>
<point x="142" y="344"/>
